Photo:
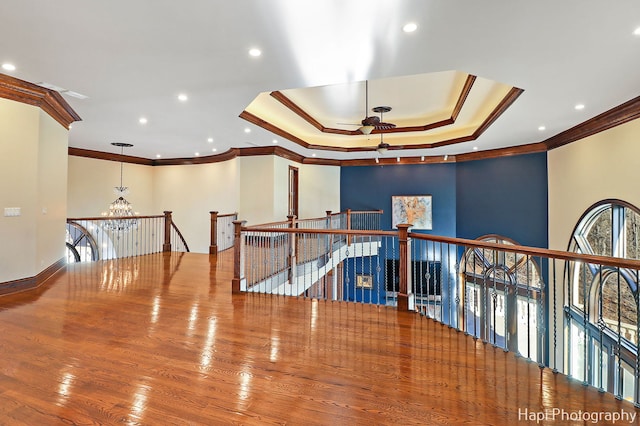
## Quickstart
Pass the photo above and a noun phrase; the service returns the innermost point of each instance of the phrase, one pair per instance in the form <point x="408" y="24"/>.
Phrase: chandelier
<point x="120" y="208"/>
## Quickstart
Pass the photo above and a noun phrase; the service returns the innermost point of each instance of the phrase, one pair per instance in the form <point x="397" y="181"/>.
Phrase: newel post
<point x="348" y="225"/>
<point x="213" y="248"/>
<point x="166" y="247"/>
<point x="237" y="256"/>
<point x="328" y="219"/>
<point x="403" y="292"/>
<point x="292" y="250"/>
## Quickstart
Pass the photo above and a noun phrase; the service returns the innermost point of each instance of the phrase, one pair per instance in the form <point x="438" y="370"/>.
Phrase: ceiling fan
<point x="373" y="122"/>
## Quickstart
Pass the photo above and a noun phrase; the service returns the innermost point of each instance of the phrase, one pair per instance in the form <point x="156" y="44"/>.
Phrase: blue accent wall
<point x="506" y="196"/>
<point x="371" y="188"/>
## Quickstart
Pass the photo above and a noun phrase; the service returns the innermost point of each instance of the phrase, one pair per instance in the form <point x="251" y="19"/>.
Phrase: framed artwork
<point x="412" y="209"/>
<point x="364" y="281"/>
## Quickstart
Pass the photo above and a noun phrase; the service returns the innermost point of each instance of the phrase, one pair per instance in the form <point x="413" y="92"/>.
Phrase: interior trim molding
<point x="500" y="108"/>
<point x="293" y="107"/>
<point x="25" y="284"/>
<point x="616" y="116"/>
<point x="48" y="100"/>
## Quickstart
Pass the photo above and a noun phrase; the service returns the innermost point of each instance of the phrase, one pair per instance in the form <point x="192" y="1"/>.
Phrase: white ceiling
<point x="132" y="58"/>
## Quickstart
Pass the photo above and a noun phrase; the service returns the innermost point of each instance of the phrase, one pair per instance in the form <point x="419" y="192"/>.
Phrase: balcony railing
<point x="101" y="238"/>
<point x="529" y="301"/>
<point x="221" y="231"/>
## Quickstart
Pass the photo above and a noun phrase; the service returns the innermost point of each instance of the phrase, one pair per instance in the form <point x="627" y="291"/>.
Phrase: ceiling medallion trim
<point x="462" y="97"/>
<point x="48" y="100"/>
<point x="502" y="106"/>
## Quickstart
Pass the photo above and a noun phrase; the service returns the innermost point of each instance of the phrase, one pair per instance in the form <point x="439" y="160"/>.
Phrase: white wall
<point x="33" y="150"/>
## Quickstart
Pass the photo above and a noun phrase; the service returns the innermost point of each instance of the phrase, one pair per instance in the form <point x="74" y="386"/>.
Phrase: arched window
<point x="602" y="321"/>
<point x="503" y="298"/>
<point x="81" y="246"/>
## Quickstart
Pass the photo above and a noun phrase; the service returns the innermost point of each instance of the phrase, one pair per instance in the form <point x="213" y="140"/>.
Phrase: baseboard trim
<point x="25" y="284"/>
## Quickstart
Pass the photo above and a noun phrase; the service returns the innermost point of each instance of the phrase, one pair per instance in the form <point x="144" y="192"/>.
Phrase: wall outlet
<point x="11" y="211"/>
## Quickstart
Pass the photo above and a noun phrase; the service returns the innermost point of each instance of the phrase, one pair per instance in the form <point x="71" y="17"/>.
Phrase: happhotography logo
<point x="562" y="415"/>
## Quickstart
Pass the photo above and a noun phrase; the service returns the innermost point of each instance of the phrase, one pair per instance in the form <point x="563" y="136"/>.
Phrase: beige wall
<point x="318" y="188"/>
<point x="582" y="173"/>
<point x="191" y="192"/>
<point x="92" y="182"/>
<point x="51" y="206"/>
<point x="255" y="187"/>
<point x="33" y="150"/>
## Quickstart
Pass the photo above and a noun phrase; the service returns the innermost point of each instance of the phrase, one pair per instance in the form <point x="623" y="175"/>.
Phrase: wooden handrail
<point x="228" y="214"/>
<point x="367" y="211"/>
<point x="184" y="242"/>
<point x="532" y="251"/>
<point x="76" y="219"/>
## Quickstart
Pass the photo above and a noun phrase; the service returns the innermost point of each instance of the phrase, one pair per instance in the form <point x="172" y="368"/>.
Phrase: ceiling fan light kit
<point x="382" y="147"/>
<point x="366" y="129"/>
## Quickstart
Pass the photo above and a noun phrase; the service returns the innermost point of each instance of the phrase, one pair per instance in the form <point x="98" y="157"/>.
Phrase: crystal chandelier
<point x="120" y="208"/>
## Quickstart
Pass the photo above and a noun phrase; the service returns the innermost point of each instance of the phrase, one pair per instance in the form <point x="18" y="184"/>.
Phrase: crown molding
<point x="616" y="116"/>
<point x="48" y="100"/>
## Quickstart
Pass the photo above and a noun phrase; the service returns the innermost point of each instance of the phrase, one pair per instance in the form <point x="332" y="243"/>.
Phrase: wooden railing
<point x="96" y="238"/>
<point x="221" y="231"/>
<point x="566" y="311"/>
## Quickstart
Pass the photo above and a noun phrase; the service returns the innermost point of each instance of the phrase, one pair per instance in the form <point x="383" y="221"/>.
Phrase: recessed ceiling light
<point x="142" y="120"/>
<point x="579" y="107"/>
<point x="8" y="67"/>
<point x="158" y="155"/>
<point x="475" y="148"/>
<point x="377" y="160"/>
<point x="410" y="27"/>
<point x="210" y="140"/>
<point x="637" y="31"/>
<point x="541" y="128"/>
<point x="247" y="130"/>
<point x="275" y="141"/>
<point x="255" y="52"/>
<point x="446" y="157"/>
<point x="313" y="155"/>
<point x="214" y="149"/>
<point x="422" y="158"/>
<point x="398" y="159"/>
<point x="182" y="97"/>
<point x="197" y="154"/>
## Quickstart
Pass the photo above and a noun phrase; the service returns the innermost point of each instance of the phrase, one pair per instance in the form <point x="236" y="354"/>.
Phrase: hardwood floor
<point x="159" y="340"/>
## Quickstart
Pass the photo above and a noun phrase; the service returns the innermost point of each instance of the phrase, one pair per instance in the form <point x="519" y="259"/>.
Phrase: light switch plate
<point x="11" y="211"/>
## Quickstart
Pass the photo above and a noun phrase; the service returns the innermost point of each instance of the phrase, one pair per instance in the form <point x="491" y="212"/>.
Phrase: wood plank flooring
<point x="160" y="340"/>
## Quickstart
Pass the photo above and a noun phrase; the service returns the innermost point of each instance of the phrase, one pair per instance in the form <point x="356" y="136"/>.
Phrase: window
<point x="81" y="246"/>
<point x="602" y="317"/>
<point x="503" y="298"/>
